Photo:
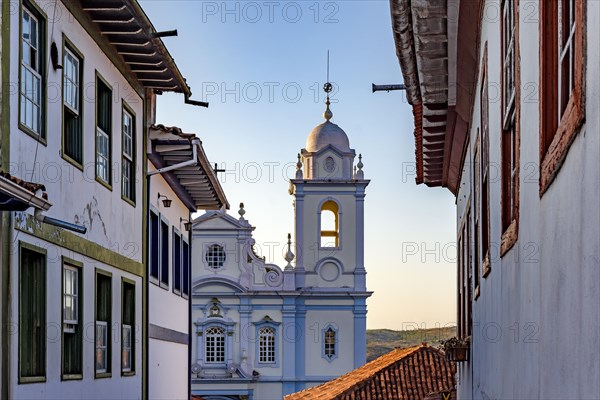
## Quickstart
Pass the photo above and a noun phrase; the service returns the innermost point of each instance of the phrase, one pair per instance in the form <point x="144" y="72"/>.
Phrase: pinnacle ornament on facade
<point x="242" y="212"/>
<point x="299" y="173"/>
<point x="360" y="174"/>
<point x="289" y="256"/>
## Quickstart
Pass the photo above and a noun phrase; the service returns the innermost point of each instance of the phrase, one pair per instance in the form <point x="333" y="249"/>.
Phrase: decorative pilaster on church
<point x="360" y="273"/>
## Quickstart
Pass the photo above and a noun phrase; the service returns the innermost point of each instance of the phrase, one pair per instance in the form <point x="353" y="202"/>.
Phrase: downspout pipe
<point x="196" y="103"/>
<point x="190" y="163"/>
<point x="39" y="216"/>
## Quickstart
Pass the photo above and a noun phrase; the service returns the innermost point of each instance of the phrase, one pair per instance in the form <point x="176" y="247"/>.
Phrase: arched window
<point x="214" y="345"/>
<point x="330" y="342"/>
<point x="330" y="224"/>
<point x="266" y="347"/>
<point x="215" y="256"/>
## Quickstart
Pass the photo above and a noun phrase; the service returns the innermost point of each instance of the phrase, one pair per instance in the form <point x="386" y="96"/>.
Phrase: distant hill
<point x="380" y="341"/>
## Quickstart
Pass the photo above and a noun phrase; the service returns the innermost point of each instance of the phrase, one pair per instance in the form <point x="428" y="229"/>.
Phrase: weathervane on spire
<point x="327" y="87"/>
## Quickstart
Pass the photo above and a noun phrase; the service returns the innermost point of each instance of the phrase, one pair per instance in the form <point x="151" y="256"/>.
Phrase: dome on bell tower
<point x="326" y="134"/>
<point x="327" y="154"/>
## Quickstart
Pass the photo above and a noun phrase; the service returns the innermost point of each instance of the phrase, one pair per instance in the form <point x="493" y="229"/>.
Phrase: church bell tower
<point x="329" y="191"/>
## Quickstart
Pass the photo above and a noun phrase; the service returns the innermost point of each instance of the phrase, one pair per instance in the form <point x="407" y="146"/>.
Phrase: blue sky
<point x="262" y="65"/>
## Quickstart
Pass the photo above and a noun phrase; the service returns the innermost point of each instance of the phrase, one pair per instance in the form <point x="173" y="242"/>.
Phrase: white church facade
<point x="260" y="331"/>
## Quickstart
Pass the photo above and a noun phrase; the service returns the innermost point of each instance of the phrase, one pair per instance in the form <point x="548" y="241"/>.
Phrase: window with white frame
<point x="566" y="54"/>
<point x="509" y="141"/>
<point x="508" y="62"/>
<point x="72" y="337"/>
<point x="128" y="164"/>
<point x="71" y="81"/>
<point x="266" y="345"/>
<point x="70" y="298"/>
<point x="215" y="256"/>
<point x="330" y="343"/>
<point x="103" y="130"/>
<point x="214" y="345"/>
<point x="126" y="348"/>
<point x="101" y="347"/>
<point x="72" y="121"/>
<point x="103" y="322"/>
<point x="32" y="70"/>
<point x="127" y="323"/>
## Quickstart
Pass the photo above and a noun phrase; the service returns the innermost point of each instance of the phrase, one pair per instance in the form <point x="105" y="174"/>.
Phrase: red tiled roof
<point x="175" y="130"/>
<point x="30" y="186"/>
<point x="402" y="374"/>
<point x="442" y="395"/>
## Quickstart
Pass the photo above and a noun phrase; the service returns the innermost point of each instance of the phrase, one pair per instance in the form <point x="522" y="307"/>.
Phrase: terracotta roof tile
<point x="173" y="130"/>
<point x="31" y="186"/>
<point x="402" y="374"/>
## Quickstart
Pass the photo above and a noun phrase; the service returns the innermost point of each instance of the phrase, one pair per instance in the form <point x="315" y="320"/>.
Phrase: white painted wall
<point x="167" y="361"/>
<point x="167" y="364"/>
<point x="536" y="328"/>
<point x="77" y="197"/>
<point x="111" y="388"/>
<point x="75" y="194"/>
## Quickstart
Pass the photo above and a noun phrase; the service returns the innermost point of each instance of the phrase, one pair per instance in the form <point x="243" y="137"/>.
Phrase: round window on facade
<point x="215" y="256"/>
<point x="329" y="164"/>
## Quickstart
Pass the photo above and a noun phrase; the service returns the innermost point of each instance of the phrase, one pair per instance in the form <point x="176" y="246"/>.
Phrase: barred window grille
<point x="215" y="256"/>
<point x="266" y="337"/>
<point x="330" y="342"/>
<point x="215" y="345"/>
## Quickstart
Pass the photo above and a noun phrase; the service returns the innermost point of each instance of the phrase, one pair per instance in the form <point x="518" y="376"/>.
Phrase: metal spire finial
<point x="327" y="87"/>
<point x="327" y="65"/>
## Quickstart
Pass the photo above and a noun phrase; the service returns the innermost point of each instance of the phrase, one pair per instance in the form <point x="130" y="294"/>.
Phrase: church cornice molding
<point x="306" y="153"/>
<point x="330" y="182"/>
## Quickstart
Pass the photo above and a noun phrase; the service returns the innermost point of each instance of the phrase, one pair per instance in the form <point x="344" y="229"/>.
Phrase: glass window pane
<point x="34" y="33"/>
<point x="26" y="26"/>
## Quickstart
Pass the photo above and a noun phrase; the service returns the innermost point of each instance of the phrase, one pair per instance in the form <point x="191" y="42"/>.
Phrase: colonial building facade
<point x="79" y="86"/>
<point x="261" y="331"/>
<point x="506" y="111"/>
